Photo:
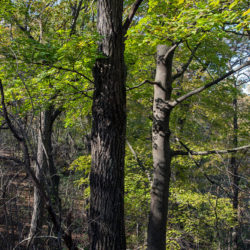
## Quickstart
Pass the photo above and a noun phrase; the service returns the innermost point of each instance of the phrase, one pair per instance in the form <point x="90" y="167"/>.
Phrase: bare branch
<point x="209" y="152"/>
<point x="169" y="51"/>
<point x="186" y="65"/>
<point x="45" y="64"/>
<point x="131" y="16"/>
<point x="6" y="117"/>
<point x="144" y="82"/>
<point x="235" y="32"/>
<point x="76" y="13"/>
<point x="27" y="164"/>
<point x="189" y="153"/>
<point x="64" y="69"/>
<point x="198" y="90"/>
<point x="139" y="162"/>
<point x="80" y="91"/>
<point x="10" y="158"/>
<point x="36" y="237"/>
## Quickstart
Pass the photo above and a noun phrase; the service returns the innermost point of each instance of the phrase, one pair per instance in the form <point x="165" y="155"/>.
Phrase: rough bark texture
<point x="161" y="152"/>
<point x="106" y="225"/>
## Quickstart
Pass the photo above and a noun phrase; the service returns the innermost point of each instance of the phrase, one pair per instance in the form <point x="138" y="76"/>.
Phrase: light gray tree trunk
<point x="45" y="173"/>
<point x="161" y="151"/>
<point x="38" y="206"/>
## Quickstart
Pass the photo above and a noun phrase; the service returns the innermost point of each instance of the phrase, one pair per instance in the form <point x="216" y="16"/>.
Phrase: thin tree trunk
<point x="44" y="167"/>
<point x="45" y="170"/>
<point x="106" y="224"/>
<point x="38" y="206"/>
<point x="235" y="179"/>
<point x="161" y="152"/>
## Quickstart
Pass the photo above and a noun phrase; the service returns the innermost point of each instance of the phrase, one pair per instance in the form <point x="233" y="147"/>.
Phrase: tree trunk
<point x="45" y="172"/>
<point x="235" y="179"/>
<point x="161" y="152"/>
<point x="38" y="206"/>
<point x="106" y="224"/>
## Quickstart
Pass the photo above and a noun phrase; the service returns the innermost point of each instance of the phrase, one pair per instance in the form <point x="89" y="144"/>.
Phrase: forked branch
<point x="186" y="65"/>
<point x="131" y="16"/>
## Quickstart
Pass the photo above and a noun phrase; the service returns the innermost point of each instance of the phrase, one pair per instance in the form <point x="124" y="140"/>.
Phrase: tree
<point x="46" y="172"/>
<point x="162" y="152"/>
<point x="108" y="129"/>
<point x="153" y="30"/>
<point x="49" y="50"/>
<point x="23" y="34"/>
<point x="108" y="133"/>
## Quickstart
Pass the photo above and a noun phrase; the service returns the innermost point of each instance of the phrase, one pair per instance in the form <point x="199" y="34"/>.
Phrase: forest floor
<point x="16" y="203"/>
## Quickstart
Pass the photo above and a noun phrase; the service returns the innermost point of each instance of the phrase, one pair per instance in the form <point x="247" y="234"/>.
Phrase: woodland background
<point x="47" y="53"/>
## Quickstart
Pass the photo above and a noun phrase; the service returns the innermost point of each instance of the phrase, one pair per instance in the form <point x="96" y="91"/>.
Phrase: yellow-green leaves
<point x="180" y="20"/>
<point x="191" y="211"/>
<point x="246" y="13"/>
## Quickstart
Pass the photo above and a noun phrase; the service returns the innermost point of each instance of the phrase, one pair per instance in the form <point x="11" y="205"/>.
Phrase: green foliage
<point x="55" y="68"/>
<point x="137" y="193"/>
<point x="81" y="167"/>
<point x="197" y="218"/>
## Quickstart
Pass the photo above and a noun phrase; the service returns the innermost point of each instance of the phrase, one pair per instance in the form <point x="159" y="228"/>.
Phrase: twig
<point x="199" y="166"/>
<point x="144" y="82"/>
<point x="139" y="162"/>
<point x="65" y="69"/>
<point x="36" y="237"/>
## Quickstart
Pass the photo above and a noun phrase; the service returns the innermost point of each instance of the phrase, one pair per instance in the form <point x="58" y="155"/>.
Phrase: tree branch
<point x="76" y="13"/>
<point x="144" y="82"/>
<point x="139" y="162"/>
<point x="209" y="152"/>
<point x="27" y="164"/>
<point x="189" y="153"/>
<point x="198" y="90"/>
<point x="9" y="158"/>
<point x="131" y="16"/>
<point x="169" y="51"/>
<point x="65" y="69"/>
<point x="186" y="65"/>
<point x="6" y="117"/>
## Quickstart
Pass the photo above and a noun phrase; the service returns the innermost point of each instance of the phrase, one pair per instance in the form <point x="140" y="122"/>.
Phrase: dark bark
<point x="235" y="179"/>
<point x="76" y="8"/>
<point x="132" y="12"/>
<point x="161" y="151"/>
<point x="106" y="224"/>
